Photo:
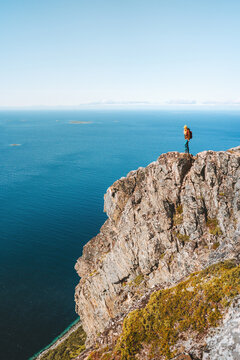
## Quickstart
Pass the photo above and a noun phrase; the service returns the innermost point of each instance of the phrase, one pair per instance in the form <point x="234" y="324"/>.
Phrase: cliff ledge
<point x="177" y="216"/>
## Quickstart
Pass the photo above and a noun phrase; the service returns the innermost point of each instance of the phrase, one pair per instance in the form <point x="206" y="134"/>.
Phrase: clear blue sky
<point x="57" y="52"/>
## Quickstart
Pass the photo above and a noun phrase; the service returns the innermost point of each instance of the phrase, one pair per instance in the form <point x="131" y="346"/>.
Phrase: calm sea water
<point x="51" y="197"/>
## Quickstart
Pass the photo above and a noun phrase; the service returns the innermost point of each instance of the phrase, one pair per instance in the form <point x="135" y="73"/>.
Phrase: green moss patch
<point x="69" y="348"/>
<point x="213" y="227"/>
<point x="221" y="194"/>
<point x="135" y="282"/>
<point x="138" y="279"/>
<point x="215" y="245"/>
<point x="192" y="306"/>
<point x="102" y="354"/>
<point x="94" y="273"/>
<point x="177" y="219"/>
<point x="183" y="238"/>
<point x="179" y="209"/>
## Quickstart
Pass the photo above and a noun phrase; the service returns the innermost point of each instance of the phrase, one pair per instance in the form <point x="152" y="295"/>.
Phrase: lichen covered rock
<point x="184" y="311"/>
<point x="175" y="321"/>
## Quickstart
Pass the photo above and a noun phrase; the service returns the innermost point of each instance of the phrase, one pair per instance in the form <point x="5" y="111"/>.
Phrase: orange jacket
<point x="187" y="134"/>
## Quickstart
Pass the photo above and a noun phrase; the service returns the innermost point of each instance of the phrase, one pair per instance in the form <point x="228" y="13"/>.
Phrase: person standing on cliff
<point x="187" y="135"/>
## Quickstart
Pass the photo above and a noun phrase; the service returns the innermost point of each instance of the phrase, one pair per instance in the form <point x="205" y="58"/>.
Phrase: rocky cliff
<point x="178" y="215"/>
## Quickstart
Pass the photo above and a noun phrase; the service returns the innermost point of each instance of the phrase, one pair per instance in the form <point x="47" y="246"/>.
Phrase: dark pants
<point x="187" y="147"/>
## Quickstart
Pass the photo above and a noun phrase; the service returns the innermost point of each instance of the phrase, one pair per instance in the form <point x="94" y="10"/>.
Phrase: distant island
<point x="15" y="144"/>
<point x="80" y="122"/>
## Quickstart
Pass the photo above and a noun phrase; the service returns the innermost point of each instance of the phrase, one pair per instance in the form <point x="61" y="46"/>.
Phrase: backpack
<point x="190" y="134"/>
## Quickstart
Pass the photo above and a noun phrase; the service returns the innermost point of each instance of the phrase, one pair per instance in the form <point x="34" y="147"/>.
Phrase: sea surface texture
<point x="55" y="169"/>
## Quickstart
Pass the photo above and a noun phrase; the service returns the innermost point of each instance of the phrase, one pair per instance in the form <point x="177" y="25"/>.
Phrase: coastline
<point x="58" y="340"/>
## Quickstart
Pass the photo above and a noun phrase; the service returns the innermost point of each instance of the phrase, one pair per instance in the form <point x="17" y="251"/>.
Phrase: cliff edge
<point x="179" y="215"/>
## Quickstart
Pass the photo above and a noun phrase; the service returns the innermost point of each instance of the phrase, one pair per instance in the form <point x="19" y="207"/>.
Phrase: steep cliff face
<point x="176" y="216"/>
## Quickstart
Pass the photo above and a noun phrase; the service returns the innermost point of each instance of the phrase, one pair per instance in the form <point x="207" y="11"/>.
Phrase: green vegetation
<point x="102" y="354"/>
<point x="193" y="305"/>
<point x="69" y="348"/>
<point x="135" y="282"/>
<point x="177" y="217"/>
<point x="183" y="238"/>
<point x="215" y="245"/>
<point x="179" y="209"/>
<point x="213" y="227"/>
<point x="138" y="279"/>
<point x="94" y="273"/>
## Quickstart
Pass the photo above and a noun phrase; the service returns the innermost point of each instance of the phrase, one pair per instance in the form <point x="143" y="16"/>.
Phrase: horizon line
<point x="125" y="104"/>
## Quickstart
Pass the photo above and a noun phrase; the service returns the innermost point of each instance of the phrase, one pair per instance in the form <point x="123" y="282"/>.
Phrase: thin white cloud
<point x="181" y="102"/>
<point x="221" y="102"/>
<point x="116" y="102"/>
<point x="110" y="103"/>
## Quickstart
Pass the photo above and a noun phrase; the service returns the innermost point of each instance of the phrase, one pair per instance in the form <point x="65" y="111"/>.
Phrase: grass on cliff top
<point x="69" y="348"/>
<point x="194" y="305"/>
<point x="189" y="308"/>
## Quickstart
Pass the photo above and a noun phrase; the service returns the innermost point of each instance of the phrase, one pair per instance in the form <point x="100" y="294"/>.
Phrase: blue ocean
<point x="55" y="169"/>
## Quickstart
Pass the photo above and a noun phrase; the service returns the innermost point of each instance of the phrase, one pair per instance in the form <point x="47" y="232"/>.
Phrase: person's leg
<point x="186" y="147"/>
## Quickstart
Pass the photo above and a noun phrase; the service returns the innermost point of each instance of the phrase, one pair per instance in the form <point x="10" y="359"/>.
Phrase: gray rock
<point x="178" y="215"/>
<point x="224" y="342"/>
